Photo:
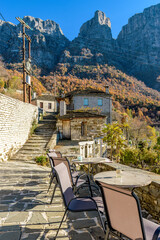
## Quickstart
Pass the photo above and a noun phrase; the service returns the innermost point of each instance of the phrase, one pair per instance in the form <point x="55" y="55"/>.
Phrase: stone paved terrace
<point x="26" y="212"/>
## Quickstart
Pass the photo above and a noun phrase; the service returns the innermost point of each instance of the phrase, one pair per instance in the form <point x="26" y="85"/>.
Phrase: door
<point x="66" y="129"/>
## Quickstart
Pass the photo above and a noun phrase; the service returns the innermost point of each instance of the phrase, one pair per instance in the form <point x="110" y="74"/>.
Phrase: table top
<point x="93" y="160"/>
<point x="127" y="179"/>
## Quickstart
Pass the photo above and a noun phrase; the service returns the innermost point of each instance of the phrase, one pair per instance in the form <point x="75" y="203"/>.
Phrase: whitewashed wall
<point x="16" y="119"/>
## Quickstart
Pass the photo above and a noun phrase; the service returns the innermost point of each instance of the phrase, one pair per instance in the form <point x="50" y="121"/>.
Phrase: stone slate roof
<point x="81" y="114"/>
<point x="88" y="91"/>
<point x="46" y="97"/>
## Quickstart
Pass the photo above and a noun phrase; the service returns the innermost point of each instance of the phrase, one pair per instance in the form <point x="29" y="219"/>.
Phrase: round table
<point x="92" y="160"/>
<point x="127" y="179"/>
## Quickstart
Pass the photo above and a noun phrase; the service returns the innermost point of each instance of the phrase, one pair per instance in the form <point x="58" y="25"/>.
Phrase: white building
<point x="47" y="102"/>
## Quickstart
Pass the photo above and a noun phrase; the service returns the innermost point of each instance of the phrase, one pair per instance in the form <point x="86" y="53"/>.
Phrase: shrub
<point x="158" y="140"/>
<point x="42" y="160"/>
<point x="33" y="127"/>
<point x="130" y="156"/>
<point x="149" y="157"/>
<point x="1" y="84"/>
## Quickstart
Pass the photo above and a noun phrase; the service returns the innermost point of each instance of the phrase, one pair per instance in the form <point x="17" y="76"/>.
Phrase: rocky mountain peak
<point x="48" y="26"/>
<point x="1" y="22"/>
<point x="101" y="18"/>
<point x="98" y="27"/>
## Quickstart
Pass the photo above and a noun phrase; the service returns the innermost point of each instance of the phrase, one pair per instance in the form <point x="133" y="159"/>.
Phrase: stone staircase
<point x="37" y="143"/>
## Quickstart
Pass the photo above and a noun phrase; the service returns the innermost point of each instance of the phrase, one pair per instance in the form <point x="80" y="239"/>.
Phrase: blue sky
<point x="71" y="14"/>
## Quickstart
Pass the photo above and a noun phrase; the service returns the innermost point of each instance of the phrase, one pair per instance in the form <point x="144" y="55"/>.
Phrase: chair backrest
<point x="52" y="155"/>
<point x="123" y="211"/>
<point x="55" y="154"/>
<point x="64" y="183"/>
<point x="64" y="160"/>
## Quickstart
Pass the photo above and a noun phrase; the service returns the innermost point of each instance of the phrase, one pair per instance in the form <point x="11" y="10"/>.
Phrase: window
<point x="85" y="102"/>
<point x="49" y="105"/>
<point x="41" y="104"/>
<point x="100" y="102"/>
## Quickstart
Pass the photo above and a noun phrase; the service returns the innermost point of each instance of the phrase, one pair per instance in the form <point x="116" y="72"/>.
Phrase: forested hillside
<point x="127" y="92"/>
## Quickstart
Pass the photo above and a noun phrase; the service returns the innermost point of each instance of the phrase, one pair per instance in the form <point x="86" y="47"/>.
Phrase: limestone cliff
<point x="140" y="40"/>
<point x="98" y="27"/>
<point x="94" y="43"/>
<point x="48" y="42"/>
<point x="136" y="51"/>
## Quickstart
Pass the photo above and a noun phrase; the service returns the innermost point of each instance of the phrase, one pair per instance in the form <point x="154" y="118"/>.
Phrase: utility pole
<point x="55" y="92"/>
<point x="26" y="65"/>
<point x="29" y="58"/>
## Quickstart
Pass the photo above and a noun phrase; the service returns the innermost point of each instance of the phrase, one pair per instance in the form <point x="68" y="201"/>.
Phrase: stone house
<point x="80" y="125"/>
<point x="47" y="102"/>
<point x="91" y="99"/>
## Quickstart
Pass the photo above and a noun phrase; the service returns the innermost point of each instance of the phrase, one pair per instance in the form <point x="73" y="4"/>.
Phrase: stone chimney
<point x="34" y="95"/>
<point x="107" y="88"/>
<point x="62" y="107"/>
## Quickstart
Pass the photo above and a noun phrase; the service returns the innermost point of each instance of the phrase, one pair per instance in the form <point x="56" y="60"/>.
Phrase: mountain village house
<point x="46" y="102"/>
<point x="91" y="99"/>
<point x="88" y="112"/>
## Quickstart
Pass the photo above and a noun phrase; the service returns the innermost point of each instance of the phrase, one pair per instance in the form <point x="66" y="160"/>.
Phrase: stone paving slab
<point x="25" y="209"/>
<point x="26" y="212"/>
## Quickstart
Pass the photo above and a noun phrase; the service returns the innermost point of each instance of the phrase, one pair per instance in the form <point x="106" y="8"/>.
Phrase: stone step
<point x="33" y="148"/>
<point x="50" y="115"/>
<point x="34" y="144"/>
<point x="29" y="152"/>
<point x="38" y="141"/>
<point x="26" y="157"/>
<point x="23" y="158"/>
<point x="43" y="132"/>
<point x="46" y="122"/>
<point x="40" y="137"/>
<point x="49" y="128"/>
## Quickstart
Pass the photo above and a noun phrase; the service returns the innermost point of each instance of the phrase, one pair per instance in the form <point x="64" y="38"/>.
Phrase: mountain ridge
<point x="136" y="51"/>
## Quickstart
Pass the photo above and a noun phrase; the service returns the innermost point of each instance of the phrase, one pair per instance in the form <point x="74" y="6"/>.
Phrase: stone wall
<point x="16" y="119"/>
<point x="106" y="107"/>
<point x="93" y="128"/>
<point x="53" y="141"/>
<point x="150" y="198"/>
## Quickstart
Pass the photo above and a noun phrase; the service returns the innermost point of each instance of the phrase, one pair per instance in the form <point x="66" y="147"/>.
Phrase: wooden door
<point x="66" y="129"/>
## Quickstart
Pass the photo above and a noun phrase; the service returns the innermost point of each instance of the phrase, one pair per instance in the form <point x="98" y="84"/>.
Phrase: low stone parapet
<point x="53" y="141"/>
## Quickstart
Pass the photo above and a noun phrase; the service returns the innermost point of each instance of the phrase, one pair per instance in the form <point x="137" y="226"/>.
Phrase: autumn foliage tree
<point x="114" y="138"/>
